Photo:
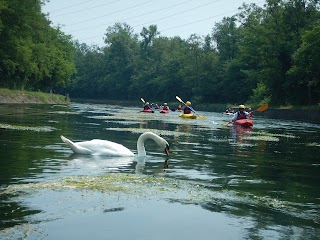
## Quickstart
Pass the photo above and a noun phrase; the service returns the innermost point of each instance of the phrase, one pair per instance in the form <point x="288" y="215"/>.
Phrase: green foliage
<point x="261" y="95"/>
<point x="305" y="70"/>
<point x="33" y="54"/>
<point x="262" y="54"/>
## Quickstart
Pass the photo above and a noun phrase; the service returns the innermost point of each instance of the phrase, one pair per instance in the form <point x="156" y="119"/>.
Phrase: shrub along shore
<point x="20" y="96"/>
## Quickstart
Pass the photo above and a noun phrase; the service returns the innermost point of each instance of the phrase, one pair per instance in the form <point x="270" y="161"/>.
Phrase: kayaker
<point x="146" y="106"/>
<point x="241" y="114"/>
<point x="187" y="109"/>
<point x="251" y="113"/>
<point x="165" y="107"/>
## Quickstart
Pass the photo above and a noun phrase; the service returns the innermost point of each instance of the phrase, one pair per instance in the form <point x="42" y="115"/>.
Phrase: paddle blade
<point x="263" y="108"/>
<point x="202" y="117"/>
<point x="179" y="99"/>
<point x="142" y="100"/>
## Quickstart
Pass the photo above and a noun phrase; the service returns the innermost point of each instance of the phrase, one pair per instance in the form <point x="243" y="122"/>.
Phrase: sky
<point x="87" y="20"/>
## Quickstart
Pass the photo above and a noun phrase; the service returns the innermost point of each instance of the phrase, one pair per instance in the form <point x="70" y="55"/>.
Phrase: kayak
<point x="164" y="111"/>
<point x="147" y="110"/>
<point x="188" y="115"/>
<point x="244" y="122"/>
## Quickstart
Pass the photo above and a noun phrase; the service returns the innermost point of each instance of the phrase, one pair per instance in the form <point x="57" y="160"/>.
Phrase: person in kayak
<point x="165" y="107"/>
<point x="187" y="109"/>
<point x="146" y="106"/>
<point x="241" y="114"/>
<point x="251" y="112"/>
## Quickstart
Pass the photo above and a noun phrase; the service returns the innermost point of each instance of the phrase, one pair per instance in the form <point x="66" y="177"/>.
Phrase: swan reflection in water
<point x="141" y="163"/>
<point x="94" y="164"/>
<point x="99" y="163"/>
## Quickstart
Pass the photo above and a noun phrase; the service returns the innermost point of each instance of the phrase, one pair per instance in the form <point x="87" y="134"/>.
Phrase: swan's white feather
<point x="98" y="147"/>
<point x="105" y="147"/>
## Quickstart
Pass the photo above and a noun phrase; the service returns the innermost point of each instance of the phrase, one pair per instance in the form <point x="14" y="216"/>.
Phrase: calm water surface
<point x="220" y="182"/>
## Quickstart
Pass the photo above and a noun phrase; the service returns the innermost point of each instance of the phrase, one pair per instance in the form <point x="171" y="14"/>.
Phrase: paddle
<point x="259" y="109"/>
<point x="262" y="108"/>
<point x="143" y="100"/>
<point x="201" y="117"/>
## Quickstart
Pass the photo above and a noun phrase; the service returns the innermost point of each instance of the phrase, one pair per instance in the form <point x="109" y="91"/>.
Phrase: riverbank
<point x="18" y="96"/>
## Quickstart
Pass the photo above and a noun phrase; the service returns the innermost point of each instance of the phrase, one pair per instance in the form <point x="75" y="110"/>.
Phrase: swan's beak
<point x="167" y="150"/>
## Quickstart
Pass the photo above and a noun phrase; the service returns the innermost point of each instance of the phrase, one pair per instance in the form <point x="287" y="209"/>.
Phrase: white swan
<point x="104" y="147"/>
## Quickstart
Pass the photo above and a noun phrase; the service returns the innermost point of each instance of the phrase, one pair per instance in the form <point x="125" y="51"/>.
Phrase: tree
<point x="148" y="34"/>
<point x="121" y="50"/>
<point x="305" y="71"/>
<point x="226" y="37"/>
<point x="33" y="54"/>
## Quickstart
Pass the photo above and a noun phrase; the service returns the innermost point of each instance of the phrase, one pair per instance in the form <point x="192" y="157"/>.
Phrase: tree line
<point x="266" y="54"/>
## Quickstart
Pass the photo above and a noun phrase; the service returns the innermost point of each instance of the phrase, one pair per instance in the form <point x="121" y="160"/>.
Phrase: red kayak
<point x="147" y="110"/>
<point x="164" y="111"/>
<point x="244" y="122"/>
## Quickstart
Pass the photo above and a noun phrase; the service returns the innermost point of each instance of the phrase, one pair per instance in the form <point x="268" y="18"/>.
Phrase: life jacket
<point x="186" y="110"/>
<point x="165" y="108"/>
<point x="241" y="115"/>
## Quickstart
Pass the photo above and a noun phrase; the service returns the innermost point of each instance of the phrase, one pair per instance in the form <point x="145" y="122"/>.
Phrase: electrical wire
<point x="82" y="10"/>
<point x="72" y="5"/>
<point x="138" y="5"/>
<point x="141" y="15"/>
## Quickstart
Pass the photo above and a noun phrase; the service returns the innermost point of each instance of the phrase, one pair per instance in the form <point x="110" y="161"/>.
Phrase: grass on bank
<point x="21" y="96"/>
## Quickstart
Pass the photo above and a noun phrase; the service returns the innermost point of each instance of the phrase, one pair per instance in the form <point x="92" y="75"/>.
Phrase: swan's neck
<point x="143" y="137"/>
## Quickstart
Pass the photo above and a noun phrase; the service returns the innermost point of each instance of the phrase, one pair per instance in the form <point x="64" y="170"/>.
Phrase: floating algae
<point x="218" y="140"/>
<point x="274" y="134"/>
<point x="124" y="122"/>
<point x="113" y="182"/>
<point x="26" y="128"/>
<point x="314" y="144"/>
<point x="267" y="137"/>
<point x="127" y="116"/>
<point x="65" y="112"/>
<point x="148" y="187"/>
<point x="261" y="138"/>
<point x="156" y="131"/>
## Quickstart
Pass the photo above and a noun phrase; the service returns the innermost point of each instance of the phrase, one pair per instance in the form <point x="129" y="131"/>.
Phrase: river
<point x="219" y="182"/>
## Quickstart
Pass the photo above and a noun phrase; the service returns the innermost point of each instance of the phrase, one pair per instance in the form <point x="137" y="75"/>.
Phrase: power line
<point x="82" y="10"/>
<point x="111" y="13"/>
<point x="175" y="27"/>
<point x="201" y="20"/>
<point x="141" y="15"/>
<point x="163" y="17"/>
<point x="173" y="15"/>
<point x="72" y="5"/>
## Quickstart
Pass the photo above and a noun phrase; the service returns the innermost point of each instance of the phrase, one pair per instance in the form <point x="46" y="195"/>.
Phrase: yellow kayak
<point x="189" y="115"/>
